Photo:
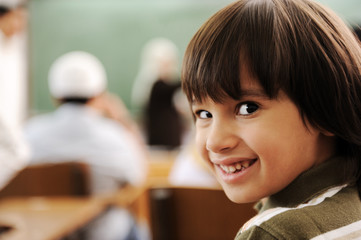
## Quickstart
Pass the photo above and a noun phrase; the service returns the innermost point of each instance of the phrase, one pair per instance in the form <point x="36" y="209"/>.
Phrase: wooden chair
<point x="195" y="213"/>
<point x="60" y="179"/>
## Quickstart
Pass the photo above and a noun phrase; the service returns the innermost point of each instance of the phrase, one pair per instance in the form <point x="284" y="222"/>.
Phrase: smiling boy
<point x="274" y="87"/>
<point x="257" y="142"/>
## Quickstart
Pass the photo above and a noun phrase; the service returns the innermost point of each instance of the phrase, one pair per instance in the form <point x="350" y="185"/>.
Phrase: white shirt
<point x="189" y="170"/>
<point x="75" y="132"/>
<point x="13" y="79"/>
<point x="14" y="152"/>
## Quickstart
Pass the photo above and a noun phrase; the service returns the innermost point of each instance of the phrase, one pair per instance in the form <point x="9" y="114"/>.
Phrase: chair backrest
<point x="60" y="179"/>
<point x="196" y="213"/>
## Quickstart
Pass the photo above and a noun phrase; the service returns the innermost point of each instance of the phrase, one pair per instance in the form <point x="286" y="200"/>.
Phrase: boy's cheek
<point x="199" y="139"/>
<point x="201" y="145"/>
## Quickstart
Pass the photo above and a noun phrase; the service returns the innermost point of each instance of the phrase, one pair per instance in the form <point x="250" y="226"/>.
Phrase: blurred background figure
<point x="13" y="62"/>
<point x="154" y="91"/>
<point x="91" y="126"/>
<point x="14" y="152"/>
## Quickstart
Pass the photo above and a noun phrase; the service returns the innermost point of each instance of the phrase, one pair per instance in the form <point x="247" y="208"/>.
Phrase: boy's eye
<point x="204" y="114"/>
<point x="247" y="108"/>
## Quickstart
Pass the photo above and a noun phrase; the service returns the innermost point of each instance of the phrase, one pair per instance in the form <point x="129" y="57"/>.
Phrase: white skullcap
<point x="158" y="50"/>
<point x="77" y="74"/>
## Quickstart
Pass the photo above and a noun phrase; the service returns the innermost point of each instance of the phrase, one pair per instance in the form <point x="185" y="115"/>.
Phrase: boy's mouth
<point x="238" y="166"/>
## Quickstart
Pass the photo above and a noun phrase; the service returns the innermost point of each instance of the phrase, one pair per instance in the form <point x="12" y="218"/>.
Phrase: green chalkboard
<point x="115" y="31"/>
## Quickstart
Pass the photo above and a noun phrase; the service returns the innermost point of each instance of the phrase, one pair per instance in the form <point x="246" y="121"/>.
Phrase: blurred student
<point x="81" y="129"/>
<point x="154" y="91"/>
<point x="13" y="62"/>
<point x="14" y="152"/>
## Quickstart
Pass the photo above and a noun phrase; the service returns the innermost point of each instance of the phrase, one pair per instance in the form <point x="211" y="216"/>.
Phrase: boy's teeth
<point x="225" y="168"/>
<point x="235" y="167"/>
<point x="245" y="164"/>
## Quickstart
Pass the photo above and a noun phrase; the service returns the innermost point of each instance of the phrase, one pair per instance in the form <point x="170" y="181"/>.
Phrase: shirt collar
<point x="75" y="108"/>
<point x="309" y="184"/>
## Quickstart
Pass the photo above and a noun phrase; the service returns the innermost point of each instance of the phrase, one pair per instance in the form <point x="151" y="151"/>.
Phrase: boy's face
<point x="257" y="146"/>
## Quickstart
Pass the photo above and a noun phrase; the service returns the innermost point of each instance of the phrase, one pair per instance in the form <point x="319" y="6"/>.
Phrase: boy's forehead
<point x="247" y="90"/>
<point x="250" y="84"/>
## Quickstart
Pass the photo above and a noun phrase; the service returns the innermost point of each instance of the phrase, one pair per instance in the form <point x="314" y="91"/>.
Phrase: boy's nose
<point x="221" y="138"/>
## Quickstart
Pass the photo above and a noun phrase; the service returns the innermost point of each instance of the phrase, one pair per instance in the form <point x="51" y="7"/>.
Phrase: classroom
<point x="133" y="171"/>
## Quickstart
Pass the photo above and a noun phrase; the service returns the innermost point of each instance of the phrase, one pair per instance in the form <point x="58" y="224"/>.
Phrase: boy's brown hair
<point x="297" y="46"/>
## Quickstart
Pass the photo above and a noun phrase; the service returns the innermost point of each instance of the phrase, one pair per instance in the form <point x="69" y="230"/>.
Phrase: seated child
<point x="275" y="88"/>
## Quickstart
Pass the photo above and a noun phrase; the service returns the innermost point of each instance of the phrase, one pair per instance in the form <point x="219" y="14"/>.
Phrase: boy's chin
<point x="238" y="196"/>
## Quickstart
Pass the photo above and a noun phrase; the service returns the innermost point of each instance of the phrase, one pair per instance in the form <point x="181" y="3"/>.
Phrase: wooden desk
<point x="37" y="218"/>
<point x="50" y="218"/>
<point x="160" y="164"/>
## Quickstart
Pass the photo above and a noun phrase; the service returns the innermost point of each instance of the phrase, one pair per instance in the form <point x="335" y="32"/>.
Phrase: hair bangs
<point x="211" y="62"/>
<point x="240" y="34"/>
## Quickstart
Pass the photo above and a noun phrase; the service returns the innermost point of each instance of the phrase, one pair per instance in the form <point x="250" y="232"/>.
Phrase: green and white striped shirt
<point x="318" y="205"/>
